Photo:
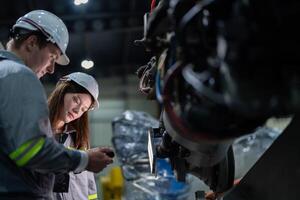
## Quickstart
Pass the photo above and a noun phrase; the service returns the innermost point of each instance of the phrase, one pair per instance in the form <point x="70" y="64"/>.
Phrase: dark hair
<point x="19" y="35"/>
<point x="55" y="103"/>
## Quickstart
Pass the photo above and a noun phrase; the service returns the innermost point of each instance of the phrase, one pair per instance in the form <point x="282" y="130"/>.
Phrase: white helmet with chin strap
<point x="51" y="26"/>
<point x="86" y="81"/>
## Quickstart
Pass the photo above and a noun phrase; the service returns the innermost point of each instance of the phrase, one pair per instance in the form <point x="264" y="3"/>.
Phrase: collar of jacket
<point x="68" y="129"/>
<point x="10" y="56"/>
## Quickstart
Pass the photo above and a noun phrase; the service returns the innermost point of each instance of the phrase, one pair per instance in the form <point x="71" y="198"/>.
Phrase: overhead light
<point x="87" y="64"/>
<point x="78" y="2"/>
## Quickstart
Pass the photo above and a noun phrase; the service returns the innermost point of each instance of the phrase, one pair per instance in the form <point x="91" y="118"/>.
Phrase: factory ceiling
<point x="100" y="30"/>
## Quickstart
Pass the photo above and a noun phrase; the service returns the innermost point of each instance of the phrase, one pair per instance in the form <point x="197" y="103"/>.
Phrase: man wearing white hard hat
<point x="28" y="152"/>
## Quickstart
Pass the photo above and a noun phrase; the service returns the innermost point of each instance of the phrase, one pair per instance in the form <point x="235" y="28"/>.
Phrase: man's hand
<point x="98" y="159"/>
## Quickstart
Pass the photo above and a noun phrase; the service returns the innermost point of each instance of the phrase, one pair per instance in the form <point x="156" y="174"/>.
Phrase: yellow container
<point x="112" y="184"/>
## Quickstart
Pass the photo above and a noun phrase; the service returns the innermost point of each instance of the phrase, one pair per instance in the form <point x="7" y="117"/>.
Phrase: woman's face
<point x="75" y="104"/>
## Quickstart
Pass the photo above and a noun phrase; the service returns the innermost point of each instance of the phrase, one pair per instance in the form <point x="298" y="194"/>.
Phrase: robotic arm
<point x="220" y="69"/>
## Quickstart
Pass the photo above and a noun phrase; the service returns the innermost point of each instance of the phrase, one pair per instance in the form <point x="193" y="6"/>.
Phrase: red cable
<point x="153" y="5"/>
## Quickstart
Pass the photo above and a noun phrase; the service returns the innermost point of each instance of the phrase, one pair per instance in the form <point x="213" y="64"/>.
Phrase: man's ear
<point x="30" y="43"/>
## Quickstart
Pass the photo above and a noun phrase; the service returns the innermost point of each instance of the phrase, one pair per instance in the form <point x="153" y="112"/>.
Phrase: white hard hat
<point x="86" y="81"/>
<point x="51" y="26"/>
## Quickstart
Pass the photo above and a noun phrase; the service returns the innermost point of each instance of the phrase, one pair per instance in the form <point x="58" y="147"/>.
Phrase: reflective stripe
<point x="29" y="154"/>
<point x="72" y="148"/>
<point x="93" y="196"/>
<point x="20" y="150"/>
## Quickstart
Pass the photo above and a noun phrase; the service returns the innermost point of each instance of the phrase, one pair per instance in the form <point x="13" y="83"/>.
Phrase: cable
<point x="153" y="5"/>
<point x="174" y="119"/>
<point x="158" y="87"/>
<point x="196" y="81"/>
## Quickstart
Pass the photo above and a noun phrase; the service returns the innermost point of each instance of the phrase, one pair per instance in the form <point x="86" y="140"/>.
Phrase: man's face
<point x="40" y="60"/>
<point x="44" y="59"/>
